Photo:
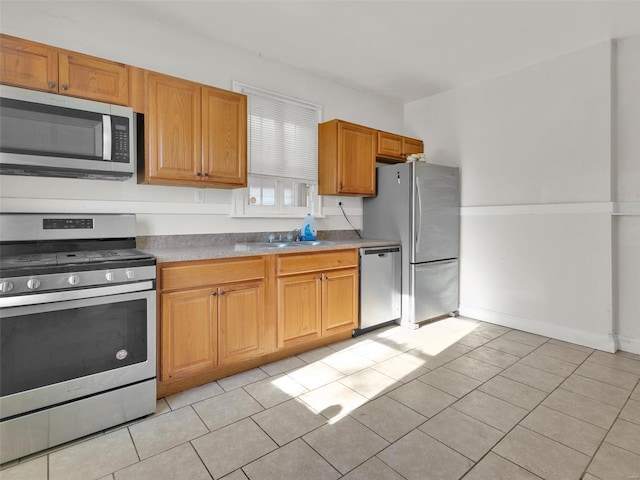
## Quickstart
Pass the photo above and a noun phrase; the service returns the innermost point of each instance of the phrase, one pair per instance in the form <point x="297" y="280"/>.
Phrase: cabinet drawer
<point x="197" y="274"/>
<point x="310" y="262"/>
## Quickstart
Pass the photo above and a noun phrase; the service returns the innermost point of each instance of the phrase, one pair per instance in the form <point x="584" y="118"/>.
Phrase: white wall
<point x="128" y="32"/>
<point x="536" y="153"/>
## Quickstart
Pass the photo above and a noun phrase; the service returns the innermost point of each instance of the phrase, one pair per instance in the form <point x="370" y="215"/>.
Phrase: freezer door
<point x="387" y="215"/>
<point x="435" y="289"/>
<point x="436" y="213"/>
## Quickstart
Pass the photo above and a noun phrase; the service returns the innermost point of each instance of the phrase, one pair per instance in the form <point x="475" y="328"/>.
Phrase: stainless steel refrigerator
<point x="419" y="204"/>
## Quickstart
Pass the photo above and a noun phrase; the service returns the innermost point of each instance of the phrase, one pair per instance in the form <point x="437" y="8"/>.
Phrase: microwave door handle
<point x="106" y="137"/>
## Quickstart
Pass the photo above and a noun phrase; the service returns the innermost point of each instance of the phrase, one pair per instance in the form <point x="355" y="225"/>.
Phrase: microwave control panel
<point x="120" y="139"/>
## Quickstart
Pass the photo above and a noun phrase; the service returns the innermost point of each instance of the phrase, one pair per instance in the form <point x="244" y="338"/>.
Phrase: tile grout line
<point x="519" y="422"/>
<point x="603" y="441"/>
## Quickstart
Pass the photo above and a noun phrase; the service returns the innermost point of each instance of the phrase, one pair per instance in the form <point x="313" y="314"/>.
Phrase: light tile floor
<point x="454" y="399"/>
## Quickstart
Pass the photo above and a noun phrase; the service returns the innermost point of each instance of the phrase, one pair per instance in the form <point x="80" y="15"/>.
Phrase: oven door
<point x="58" y="348"/>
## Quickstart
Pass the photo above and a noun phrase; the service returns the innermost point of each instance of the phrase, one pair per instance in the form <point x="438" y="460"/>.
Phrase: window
<point x="282" y="156"/>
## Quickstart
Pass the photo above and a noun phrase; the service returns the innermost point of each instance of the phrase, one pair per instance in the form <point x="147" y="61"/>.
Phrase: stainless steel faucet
<point x="292" y="236"/>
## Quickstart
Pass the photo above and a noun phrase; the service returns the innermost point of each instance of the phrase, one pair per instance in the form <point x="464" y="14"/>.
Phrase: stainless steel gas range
<point x="77" y="326"/>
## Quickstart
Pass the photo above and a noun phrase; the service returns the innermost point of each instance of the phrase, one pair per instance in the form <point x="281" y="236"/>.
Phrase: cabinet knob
<point x="206" y="174"/>
<point x="222" y="292"/>
<point x="198" y="174"/>
<point x="214" y="294"/>
<point x="52" y="84"/>
<point x="65" y="87"/>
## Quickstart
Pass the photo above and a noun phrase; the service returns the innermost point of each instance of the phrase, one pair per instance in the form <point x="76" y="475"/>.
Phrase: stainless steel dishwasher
<point x="380" y="286"/>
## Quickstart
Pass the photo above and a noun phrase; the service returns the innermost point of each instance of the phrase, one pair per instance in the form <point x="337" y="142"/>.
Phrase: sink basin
<point x="272" y="244"/>
<point x="316" y="242"/>
<point x="289" y="244"/>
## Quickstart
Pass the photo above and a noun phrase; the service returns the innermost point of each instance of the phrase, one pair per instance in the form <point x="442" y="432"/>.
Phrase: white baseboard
<point x="628" y="344"/>
<point x="600" y="342"/>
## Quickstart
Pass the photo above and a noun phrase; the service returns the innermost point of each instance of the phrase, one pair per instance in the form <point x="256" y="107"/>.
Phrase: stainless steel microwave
<point x="52" y="135"/>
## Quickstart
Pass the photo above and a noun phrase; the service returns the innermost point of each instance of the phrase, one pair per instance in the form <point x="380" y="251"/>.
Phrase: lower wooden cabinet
<point x="212" y="313"/>
<point x="339" y="301"/>
<point x="241" y="322"/>
<point x="189" y="333"/>
<point x="219" y="317"/>
<point x="299" y="309"/>
<point x="317" y="296"/>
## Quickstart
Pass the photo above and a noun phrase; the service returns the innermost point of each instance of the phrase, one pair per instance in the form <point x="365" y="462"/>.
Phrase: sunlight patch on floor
<point x="353" y="387"/>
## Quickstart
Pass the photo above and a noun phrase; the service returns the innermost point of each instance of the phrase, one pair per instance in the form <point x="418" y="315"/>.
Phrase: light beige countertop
<point x="180" y="250"/>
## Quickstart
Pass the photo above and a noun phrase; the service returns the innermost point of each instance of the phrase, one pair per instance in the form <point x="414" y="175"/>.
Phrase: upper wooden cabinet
<point x="346" y="159"/>
<point x="195" y="135"/>
<point x="40" y="67"/>
<point x="224" y="136"/>
<point x="392" y="147"/>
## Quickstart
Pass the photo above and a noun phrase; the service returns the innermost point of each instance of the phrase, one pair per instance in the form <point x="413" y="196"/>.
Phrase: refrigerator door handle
<point x="418" y="221"/>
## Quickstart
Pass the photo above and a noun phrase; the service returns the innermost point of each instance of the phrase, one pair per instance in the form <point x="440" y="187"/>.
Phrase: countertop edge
<point x="185" y="254"/>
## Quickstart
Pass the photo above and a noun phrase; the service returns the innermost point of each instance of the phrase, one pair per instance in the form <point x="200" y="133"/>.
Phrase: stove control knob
<point x="73" y="280"/>
<point x="109" y="276"/>
<point x="6" y="287"/>
<point x="33" y="283"/>
<point x="130" y="274"/>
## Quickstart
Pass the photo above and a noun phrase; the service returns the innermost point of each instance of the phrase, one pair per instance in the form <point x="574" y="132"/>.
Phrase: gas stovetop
<point x="28" y="261"/>
<point x="44" y="252"/>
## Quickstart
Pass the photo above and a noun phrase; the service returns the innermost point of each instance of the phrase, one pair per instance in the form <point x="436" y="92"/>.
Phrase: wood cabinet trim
<point x="184" y="275"/>
<point x="295" y="263"/>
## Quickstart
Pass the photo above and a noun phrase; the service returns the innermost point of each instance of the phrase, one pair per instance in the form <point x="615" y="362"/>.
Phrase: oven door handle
<point x="51" y="297"/>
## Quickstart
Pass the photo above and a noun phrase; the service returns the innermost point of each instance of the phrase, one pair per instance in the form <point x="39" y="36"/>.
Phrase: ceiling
<point x="404" y="50"/>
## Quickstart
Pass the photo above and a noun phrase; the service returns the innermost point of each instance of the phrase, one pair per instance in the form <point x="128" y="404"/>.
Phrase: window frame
<point x="240" y="201"/>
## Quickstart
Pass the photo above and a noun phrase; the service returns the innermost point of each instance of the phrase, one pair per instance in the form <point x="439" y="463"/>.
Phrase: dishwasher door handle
<point x="380" y="251"/>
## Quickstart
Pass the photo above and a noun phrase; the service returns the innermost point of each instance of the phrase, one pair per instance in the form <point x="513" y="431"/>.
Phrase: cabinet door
<point x="356" y="159"/>
<point x="240" y="321"/>
<point x="224" y="137"/>
<point x="411" y="146"/>
<point x="188" y="333"/>
<point x="390" y="145"/>
<point x="174" y="129"/>
<point x="299" y="309"/>
<point x="28" y="64"/>
<point x="93" y="78"/>
<point x="339" y="301"/>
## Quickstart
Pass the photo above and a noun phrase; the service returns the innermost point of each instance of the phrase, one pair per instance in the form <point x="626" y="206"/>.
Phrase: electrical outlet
<point x="199" y="195"/>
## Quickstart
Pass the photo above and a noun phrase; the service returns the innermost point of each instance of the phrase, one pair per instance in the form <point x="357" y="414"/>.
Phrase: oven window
<point x="45" y="348"/>
<point x="34" y="129"/>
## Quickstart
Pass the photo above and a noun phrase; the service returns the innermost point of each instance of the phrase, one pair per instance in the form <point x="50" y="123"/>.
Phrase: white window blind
<point x="283" y="135"/>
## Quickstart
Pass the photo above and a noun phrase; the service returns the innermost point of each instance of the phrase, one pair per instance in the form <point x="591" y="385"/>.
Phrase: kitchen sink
<point x="272" y="244"/>
<point x="316" y="242"/>
<point x="289" y="244"/>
